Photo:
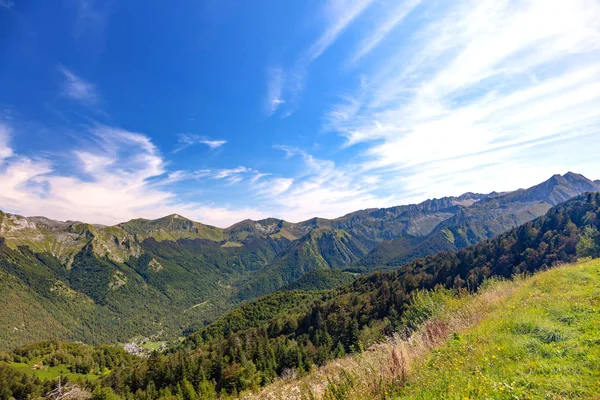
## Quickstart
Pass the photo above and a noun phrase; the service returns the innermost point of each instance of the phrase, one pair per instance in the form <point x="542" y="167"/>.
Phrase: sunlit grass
<point x="46" y="372"/>
<point x="541" y="343"/>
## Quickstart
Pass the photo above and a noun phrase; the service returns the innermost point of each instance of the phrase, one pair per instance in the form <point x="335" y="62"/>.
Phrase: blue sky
<point x="225" y="110"/>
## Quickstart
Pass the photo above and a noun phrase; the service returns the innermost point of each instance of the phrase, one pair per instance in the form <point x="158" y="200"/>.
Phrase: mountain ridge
<point x="173" y="264"/>
<point x="434" y="204"/>
<point x="488" y="217"/>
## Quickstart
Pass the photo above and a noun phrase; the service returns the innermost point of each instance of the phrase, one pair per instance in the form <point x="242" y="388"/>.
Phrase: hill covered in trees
<point x="362" y="312"/>
<point x="526" y="338"/>
<point x="292" y="332"/>
<point x="98" y="284"/>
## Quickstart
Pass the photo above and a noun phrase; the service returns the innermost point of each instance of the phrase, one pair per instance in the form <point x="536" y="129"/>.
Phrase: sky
<point x="222" y="110"/>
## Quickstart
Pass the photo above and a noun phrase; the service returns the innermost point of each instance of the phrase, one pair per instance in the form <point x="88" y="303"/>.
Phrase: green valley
<point x="170" y="276"/>
<point x="298" y="333"/>
<point x="293" y="333"/>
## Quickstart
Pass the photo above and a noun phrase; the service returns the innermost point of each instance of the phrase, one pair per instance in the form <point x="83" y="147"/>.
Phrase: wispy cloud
<point x="185" y="140"/>
<point x="91" y="17"/>
<point x="78" y="88"/>
<point x="226" y="173"/>
<point x="111" y="180"/>
<point x="319" y="188"/>
<point x="6" y="3"/>
<point x="286" y="86"/>
<point x="229" y="175"/>
<point x="274" y="90"/>
<point x="339" y="15"/>
<point x="477" y="85"/>
<point x="384" y="27"/>
<point x="119" y="175"/>
<point x="5" y="150"/>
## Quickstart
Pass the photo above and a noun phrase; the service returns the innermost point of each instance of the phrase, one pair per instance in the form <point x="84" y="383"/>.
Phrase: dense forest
<point x="288" y="333"/>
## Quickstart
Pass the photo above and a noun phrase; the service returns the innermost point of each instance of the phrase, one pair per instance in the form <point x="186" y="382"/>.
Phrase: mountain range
<point x="101" y="284"/>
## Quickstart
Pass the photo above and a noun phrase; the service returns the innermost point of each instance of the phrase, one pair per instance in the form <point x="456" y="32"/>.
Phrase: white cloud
<point x="185" y="140"/>
<point x="339" y="15"/>
<point x="225" y="216"/>
<point x="5" y="150"/>
<point x="78" y="88"/>
<point x="116" y="176"/>
<point x="477" y="85"/>
<point x="321" y="188"/>
<point x="384" y="27"/>
<point x="108" y="181"/>
<point x="274" y="99"/>
<point x="6" y="3"/>
<point x="225" y="173"/>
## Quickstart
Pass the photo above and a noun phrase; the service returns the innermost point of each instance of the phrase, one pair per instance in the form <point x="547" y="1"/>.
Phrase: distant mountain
<point x="484" y="219"/>
<point x="172" y="274"/>
<point x="293" y="331"/>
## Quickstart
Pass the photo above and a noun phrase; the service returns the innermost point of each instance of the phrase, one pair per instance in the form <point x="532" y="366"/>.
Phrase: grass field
<point x="47" y="372"/>
<point x="152" y="345"/>
<point x="543" y="342"/>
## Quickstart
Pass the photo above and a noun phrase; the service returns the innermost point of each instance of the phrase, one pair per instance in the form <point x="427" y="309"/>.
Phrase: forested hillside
<point x="530" y="337"/>
<point x="172" y="275"/>
<point x="289" y="333"/>
<point x="490" y="216"/>
<point x="362" y="312"/>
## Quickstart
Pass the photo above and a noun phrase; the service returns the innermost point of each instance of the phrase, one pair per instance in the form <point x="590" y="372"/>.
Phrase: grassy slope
<point x="529" y="338"/>
<point x="46" y="372"/>
<point x="542" y="342"/>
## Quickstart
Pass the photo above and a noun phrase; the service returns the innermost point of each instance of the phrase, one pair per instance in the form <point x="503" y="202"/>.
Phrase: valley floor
<point x="532" y="338"/>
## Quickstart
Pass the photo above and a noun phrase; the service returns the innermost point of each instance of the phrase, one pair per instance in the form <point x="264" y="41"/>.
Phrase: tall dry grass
<point x="387" y="365"/>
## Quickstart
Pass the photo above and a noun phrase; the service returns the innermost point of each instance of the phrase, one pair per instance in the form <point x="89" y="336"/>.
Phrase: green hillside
<point x="321" y="279"/>
<point x="365" y="311"/>
<point x="540" y="343"/>
<point x="172" y="276"/>
<point x="528" y="338"/>
<point x="292" y="333"/>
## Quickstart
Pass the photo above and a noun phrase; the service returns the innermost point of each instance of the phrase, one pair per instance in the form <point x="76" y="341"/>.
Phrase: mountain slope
<point x="378" y="239"/>
<point x="524" y="338"/>
<point x="362" y="312"/>
<point x="496" y="214"/>
<point x="321" y="279"/>
<point x="484" y="219"/>
<point x="172" y="274"/>
<point x="321" y="248"/>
